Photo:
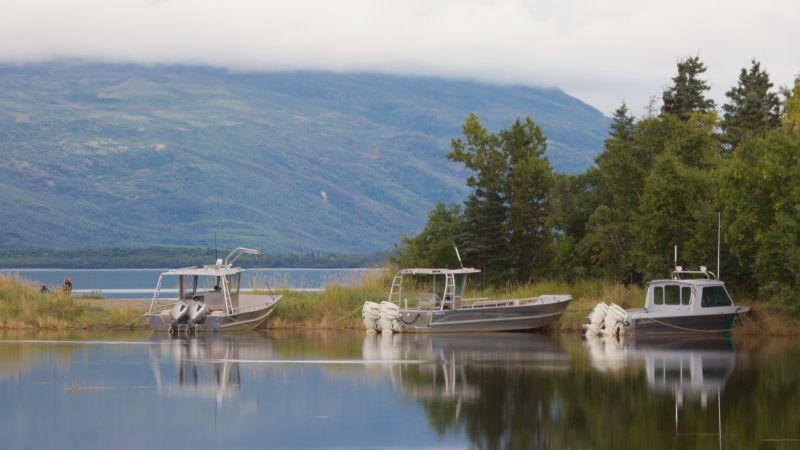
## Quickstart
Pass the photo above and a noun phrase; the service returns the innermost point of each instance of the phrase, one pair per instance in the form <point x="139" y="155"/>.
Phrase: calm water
<point x="346" y="390"/>
<point x="107" y="281"/>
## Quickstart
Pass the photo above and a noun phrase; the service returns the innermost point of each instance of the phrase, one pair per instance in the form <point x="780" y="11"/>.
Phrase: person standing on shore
<point x="67" y="285"/>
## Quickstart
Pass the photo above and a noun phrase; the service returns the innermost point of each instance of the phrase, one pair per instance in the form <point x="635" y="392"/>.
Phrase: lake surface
<point x="346" y="390"/>
<point x="140" y="283"/>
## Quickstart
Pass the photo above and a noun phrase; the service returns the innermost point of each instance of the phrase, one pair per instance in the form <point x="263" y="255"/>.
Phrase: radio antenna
<point x="719" y="235"/>
<point x="458" y="256"/>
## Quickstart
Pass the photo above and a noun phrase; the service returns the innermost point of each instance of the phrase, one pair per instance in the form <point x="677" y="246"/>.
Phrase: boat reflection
<point x="206" y="365"/>
<point x="687" y="367"/>
<point x="446" y="360"/>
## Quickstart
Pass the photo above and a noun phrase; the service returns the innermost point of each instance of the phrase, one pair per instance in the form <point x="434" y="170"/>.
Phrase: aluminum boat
<point x="440" y="306"/>
<point x="209" y="298"/>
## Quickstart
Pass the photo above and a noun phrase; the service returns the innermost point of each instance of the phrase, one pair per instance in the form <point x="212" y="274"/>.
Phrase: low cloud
<point x="600" y="51"/>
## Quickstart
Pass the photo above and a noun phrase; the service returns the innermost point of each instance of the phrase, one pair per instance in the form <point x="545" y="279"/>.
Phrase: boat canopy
<point x="210" y="271"/>
<point x="446" y="295"/>
<point x="464" y="271"/>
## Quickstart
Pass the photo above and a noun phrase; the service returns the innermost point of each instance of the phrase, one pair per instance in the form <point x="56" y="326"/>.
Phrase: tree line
<point x="661" y="180"/>
<point x="162" y="257"/>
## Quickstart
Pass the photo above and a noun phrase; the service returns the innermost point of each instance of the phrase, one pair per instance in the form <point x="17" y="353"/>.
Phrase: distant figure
<point x="44" y="289"/>
<point x="67" y="285"/>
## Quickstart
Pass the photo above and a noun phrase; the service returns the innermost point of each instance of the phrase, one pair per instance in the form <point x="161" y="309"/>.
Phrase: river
<point x="140" y="283"/>
<point x="337" y="390"/>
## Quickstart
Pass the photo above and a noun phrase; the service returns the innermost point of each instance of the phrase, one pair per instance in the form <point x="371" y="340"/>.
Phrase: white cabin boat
<point x="209" y="298"/>
<point x="692" y="301"/>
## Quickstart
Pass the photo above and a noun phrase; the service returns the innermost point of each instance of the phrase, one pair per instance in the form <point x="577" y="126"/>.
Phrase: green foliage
<point x="433" y="246"/>
<point x="508" y="207"/>
<point x="687" y="93"/>
<point x="753" y="108"/>
<point x="791" y="108"/>
<point x="676" y="199"/>
<point x="761" y="194"/>
<point x="503" y="229"/>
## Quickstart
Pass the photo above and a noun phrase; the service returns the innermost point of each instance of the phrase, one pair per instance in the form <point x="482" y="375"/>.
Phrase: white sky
<point x="598" y="50"/>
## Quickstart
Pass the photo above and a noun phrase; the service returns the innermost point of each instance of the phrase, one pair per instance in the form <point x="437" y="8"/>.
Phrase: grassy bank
<point x="339" y="307"/>
<point x="22" y="306"/>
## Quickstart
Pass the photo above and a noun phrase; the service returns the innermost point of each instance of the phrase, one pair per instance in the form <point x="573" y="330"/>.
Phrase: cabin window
<point x="672" y="294"/>
<point x="714" y="296"/>
<point x="686" y="295"/>
<point x="658" y="295"/>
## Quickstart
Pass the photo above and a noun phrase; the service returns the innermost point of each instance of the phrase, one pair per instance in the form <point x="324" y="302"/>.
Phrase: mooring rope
<point x="348" y="314"/>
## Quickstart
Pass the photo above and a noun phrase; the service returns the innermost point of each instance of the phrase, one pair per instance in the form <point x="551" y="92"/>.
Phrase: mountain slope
<point x="111" y="155"/>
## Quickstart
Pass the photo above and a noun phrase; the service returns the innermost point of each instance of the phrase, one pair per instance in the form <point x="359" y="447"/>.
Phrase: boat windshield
<point x="714" y="296"/>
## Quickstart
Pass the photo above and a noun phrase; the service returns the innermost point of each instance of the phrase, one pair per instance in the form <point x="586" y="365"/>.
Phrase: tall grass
<point x="23" y="306"/>
<point x="338" y="306"/>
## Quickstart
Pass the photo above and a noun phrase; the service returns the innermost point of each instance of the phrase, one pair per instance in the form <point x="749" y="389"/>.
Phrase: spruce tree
<point x="687" y="94"/>
<point x="622" y="124"/>
<point x="753" y="108"/>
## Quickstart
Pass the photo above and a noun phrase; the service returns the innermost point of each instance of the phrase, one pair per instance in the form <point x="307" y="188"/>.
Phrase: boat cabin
<point x="443" y="289"/>
<point x="693" y="291"/>
<point x="215" y="285"/>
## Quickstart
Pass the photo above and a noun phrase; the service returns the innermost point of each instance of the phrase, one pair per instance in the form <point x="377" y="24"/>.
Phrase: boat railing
<point x="483" y="302"/>
<point x="254" y="307"/>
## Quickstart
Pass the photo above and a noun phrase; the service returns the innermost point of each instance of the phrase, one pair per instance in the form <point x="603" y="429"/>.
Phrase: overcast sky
<point x="600" y="51"/>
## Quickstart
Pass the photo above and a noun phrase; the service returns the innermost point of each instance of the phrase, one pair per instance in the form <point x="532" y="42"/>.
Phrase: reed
<point x="338" y="306"/>
<point x="22" y="306"/>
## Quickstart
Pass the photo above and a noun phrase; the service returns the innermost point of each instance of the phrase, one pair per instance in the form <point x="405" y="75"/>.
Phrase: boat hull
<point x="521" y="317"/>
<point x="681" y="324"/>
<point x="253" y="318"/>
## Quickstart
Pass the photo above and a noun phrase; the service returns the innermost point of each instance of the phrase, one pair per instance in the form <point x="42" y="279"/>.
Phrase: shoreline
<point x="338" y="307"/>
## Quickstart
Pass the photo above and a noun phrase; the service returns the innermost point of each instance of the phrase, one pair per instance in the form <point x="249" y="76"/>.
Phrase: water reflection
<point x="205" y="365"/>
<point x="692" y="367"/>
<point x="334" y="390"/>
<point x="535" y="391"/>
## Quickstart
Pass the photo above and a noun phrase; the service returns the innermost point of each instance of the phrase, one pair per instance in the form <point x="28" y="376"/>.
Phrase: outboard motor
<point x="180" y="314"/>
<point x="198" y="311"/>
<point x="595" y="320"/>
<point x="614" y="320"/>
<point x="389" y="315"/>
<point x="371" y="314"/>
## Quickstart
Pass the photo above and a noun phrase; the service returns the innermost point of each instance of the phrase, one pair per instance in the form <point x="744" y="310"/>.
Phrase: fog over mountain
<point x="601" y="51"/>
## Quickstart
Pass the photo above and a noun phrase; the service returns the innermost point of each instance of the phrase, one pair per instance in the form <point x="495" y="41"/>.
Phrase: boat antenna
<point x="675" y="258"/>
<point x="458" y="255"/>
<point x="216" y="254"/>
<point x="719" y="235"/>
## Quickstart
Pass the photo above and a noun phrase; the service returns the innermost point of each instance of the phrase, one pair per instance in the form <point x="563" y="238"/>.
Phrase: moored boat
<point x="691" y="301"/>
<point x="441" y="306"/>
<point x="209" y="298"/>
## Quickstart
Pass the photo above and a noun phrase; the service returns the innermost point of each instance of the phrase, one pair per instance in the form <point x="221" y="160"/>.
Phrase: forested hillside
<point x="661" y="180"/>
<point x="97" y="155"/>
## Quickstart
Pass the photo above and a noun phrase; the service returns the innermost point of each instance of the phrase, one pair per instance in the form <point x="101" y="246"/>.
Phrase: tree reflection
<point x="523" y="391"/>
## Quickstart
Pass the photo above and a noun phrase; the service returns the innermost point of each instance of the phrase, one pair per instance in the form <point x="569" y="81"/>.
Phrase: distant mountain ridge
<point x="124" y="155"/>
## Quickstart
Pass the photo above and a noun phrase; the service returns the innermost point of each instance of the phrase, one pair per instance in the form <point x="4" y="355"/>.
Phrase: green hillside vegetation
<point x="100" y="155"/>
<point x="160" y="257"/>
<point x="660" y="181"/>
